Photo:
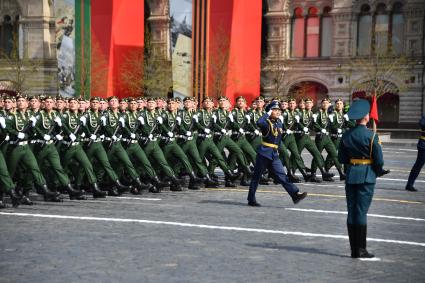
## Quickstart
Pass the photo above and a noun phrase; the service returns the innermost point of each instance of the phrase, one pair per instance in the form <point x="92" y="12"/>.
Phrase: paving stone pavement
<point x="121" y="242"/>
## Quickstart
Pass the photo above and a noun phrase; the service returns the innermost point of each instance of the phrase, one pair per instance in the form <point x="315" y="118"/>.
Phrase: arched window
<point x="326" y="33"/>
<point x="381" y="28"/>
<point x="364" y="31"/>
<point x="397" y="26"/>
<point x="313" y="28"/>
<point x="298" y="28"/>
<point x="8" y="34"/>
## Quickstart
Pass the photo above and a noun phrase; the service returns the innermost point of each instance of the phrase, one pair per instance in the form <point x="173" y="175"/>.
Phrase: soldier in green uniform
<point x="361" y="152"/>
<point x="134" y="151"/>
<point x="253" y="132"/>
<point x="113" y="122"/>
<point x="18" y="127"/>
<point x="96" y="152"/>
<point x="206" y="145"/>
<point x="305" y="125"/>
<point x="73" y="124"/>
<point x="150" y="144"/>
<point x="291" y="119"/>
<point x="46" y="127"/>
<point x="339" y="123"/>
<point x="222" y="138"/>
<point x="323" y="141"/>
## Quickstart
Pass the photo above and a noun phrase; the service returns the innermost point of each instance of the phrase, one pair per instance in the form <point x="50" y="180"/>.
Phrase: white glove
<point x="339" y="131"/>
<point x="46" y="137"/>
<point x="188" y="133"/>
<point x="231" y="117"/>
<point x="223" y="131"/>
<point x="33" y="120"/>
<point x="241" y="131"/>
<point x="170" y="134"/>
<point x="324" y="131"/>
<point x="270" y="112"/>
<point x="159" y="119"/>
<point x="196" y="118"/>
<point x="58" y="121"/>
<point x="133" y="136"/>
<point x="297" y="118"/>
<point x="305" y="129"/>
<point x="346" y="117"/>
<point x="315" y="117"/>
<point x="103" y="119"/>
<point x="248" y="118"/>
<point x="207" y="131"/>
<point x="2" y="122"/>
<point x="257" y="132"/>
<point x="179" y="120"/>
<point x="214" y="118"/>
<point x="21" y="135"/>
<point x="72" y="137"/>
<point x="7" y="138"/>
<point x="122" y="121"/>
<point x="59" y="137"/>
<point x="93" y="137"/>
<point x="150" y="137"/>
<point x="281" y="118"/>
<point x="114" y="137"/>
<point x="288" y="132"/>
<point x="83" y="135"/>
<point x="83" y="120"/>
<point x="331" y="118"/>
<point x="102" y="137"/>
<point x="141" y="120"/>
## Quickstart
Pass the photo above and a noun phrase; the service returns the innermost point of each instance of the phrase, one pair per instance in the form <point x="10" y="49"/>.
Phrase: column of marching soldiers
<point x="74" y="146"/>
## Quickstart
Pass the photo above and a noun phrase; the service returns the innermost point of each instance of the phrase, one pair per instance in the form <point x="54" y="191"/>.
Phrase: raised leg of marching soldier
<point x="23" y="156"/>
<point x="7" y="185"/>
<point x="77" y="153"/>
<point x="191" y="150"/>
<point x="97" y="152"/>
<point x="291" y="144"/>
<point x="249" y="154"/>
<point x="117" y="153"/>
<point x="307" y="143"/>
<point x="49" y="154"/>
<point x="326" y="143"/>
<point x="284" y="157"/>
<point x="329" y="162"/>
<point x="136" y="153"/>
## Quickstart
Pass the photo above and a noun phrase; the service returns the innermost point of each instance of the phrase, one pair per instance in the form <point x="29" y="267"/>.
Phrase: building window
<point x="8" y="35"/>
<point x="364" y="36"/>
<point x="381" y="27"/>
<point x="326" y="33"/>
<point x="313" y="27"/>
<point x="397" y="28"/>
<point x="298" y="28"/>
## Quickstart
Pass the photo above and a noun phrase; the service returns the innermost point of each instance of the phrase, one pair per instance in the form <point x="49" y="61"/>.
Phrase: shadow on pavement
<point x="295" y="249"/>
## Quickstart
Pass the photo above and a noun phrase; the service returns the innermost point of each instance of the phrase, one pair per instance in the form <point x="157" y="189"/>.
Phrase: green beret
<point x="240" y="97"/>
<point x="223" y="97"/>
<point x="94" y="98"/>
<point x="112" y="97"/>
<point x="207" y="98"/>
<point x="20" y="95"/>
<point x="326" y="99"/>
<point x="338" y="100"/>
<point x="150" y="99"/>
<point x="308" y="99"/>
<point x="187" y="98"/>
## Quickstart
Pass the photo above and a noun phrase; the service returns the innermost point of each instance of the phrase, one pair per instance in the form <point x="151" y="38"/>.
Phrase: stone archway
<point x="311" y="89"/>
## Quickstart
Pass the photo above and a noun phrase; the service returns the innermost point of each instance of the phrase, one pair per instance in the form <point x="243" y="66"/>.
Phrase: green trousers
<point x="295" y="160"/>
<point x="5" y="179"/>
<point x="284" y="155"/>
<point x="191" y="150"/>
<point x="324" y="142"/>
<point x="96" y="152"/>
<point x="247" y="149"/>
<point x="175" y="155"/>
<point x="117" y="155"/>
<point x="50" y="155"/>
<point x="255" y="141"/>
<point x="209" y="151"/>
<point x="359" y="198"/>
<point x="329" y="162"/>
<point x="305" y="141"/>
<point x="77" y="155"/>
<point x="233" y="148"/>
<point x="156" y="156"/>
<point x="140" y="160"/>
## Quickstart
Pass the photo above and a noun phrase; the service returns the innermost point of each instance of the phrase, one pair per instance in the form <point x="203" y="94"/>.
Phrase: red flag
<point x="374" y="109"/>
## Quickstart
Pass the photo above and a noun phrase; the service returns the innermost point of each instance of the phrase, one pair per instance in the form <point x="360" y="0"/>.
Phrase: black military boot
<point x="97" y="192"/>
<point x="305" y="175"/>
<point x="194" y="178"/>
<point x="175" y="180"/>
<point x="292" y="178"/>
<point x="113" y="191"/>
<point x="314" y="179"/>
<point x="245" y="181"/>
<point x="210" y="183"/>
<point x="341" y="175"/>
<point x="352" y="239"/>
<point x="44" y="190"/>
<point x="326" y="176"/>
<point x="158" y="183"/>
<point x="298" y="197"/>
<point x="175" y="187"/>
<point x="121" y="187"/>
<point x="15" y="197"/>
<point x="26" y="197"/>
<point x="2" y="202"/>
<point x="139" y="186"/>
<point x="363" y="253"/>
<point x="193" y="186"/>
<point x="230" y="176"/>
<point x="74" y="194"/>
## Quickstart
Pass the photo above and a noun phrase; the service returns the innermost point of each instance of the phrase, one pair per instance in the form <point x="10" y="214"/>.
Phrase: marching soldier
<point x="323" y="141"/>
<point x="420" y="160"/>
<point x="361" y="152"/>
<point x="253" y="132"/>
<point x="267" y="155"/>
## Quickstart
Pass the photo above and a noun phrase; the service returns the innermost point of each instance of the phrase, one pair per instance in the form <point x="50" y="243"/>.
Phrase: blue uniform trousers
<point x="276" y="168"/>
<point x="359" y="198"/>
<point x="414" y="173"/>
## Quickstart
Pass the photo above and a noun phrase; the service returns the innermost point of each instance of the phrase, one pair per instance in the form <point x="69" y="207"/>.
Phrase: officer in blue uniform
<point x="420" y="160"/>
<point x="268" y="157"/>
<point x="361" y="152"/>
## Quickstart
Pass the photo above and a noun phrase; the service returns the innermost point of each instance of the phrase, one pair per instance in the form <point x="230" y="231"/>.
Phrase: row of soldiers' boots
<point x="15" y="198"/>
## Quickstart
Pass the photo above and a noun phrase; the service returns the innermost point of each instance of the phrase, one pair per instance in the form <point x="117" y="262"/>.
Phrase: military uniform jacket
<point x="132" y="125"/>
<point x="290" y="120"/>
<point x="205" y="123"/>
<point x="321" y="122"/>
<point x="17" y="122"/>
<point x="221" y="122"/>
<point x="357" y="143"/>
<point x="150" y="125"/>
<point x="305" y="123"/>
<point x="110" y="122"/>
<point x="93" y="122"/>
<point x="272" y="134"/>
<point x="71" y="124"/>
<point x="339" y="123"/>
<point x="46" y="124"/>
<point x="169" y="126"/>
<point x="187" y="124"/>
<point x="239" y="123"/>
